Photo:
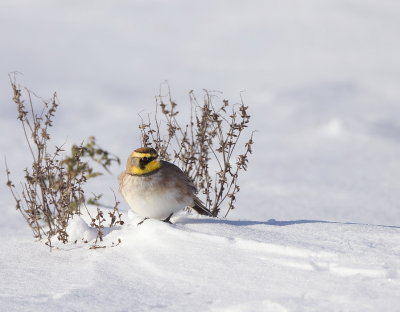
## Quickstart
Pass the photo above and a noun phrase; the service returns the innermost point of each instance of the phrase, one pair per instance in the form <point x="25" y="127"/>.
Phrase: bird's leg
<point x="167" y="219"/>
<point x="142" y="221"/>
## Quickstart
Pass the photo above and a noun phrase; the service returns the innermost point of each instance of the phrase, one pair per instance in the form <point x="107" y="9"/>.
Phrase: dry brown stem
<point x="204" y="147"/>
<point x="52" y="190"/>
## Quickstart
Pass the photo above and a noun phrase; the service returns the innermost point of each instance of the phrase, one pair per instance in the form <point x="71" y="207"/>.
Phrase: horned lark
<point x="155" y="188"/>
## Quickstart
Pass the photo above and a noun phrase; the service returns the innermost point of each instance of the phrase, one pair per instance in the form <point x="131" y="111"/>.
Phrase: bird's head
<point x="142" y="161"/>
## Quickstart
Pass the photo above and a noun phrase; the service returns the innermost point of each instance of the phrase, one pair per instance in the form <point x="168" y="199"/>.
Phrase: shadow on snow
<point x="272" y="222"/>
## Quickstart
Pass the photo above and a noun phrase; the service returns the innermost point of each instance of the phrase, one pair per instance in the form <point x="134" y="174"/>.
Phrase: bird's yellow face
<point x="142" y="161"/>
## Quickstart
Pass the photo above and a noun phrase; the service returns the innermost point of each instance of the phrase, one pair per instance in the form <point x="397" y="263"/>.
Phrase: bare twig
<point x="206" y="143"/>
<point x="52" y="190"/>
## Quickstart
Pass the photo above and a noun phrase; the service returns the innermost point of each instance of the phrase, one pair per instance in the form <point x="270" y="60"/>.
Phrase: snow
<point x="211" y="265"/>
<point x="78" y="230"/>
<point x="317" y="221"/>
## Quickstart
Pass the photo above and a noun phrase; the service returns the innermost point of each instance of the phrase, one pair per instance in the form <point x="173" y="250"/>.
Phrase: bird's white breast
<point x="153" y="197"/>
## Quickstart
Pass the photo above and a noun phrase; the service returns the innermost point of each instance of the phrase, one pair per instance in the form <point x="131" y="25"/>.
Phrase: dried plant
<point x="98" y="221"/>
<point x="52" y="190"/>
<point x="94" y="152"/>
<point x="77" y="165"/>
<point x="115" y="215"/>
<point x="204" y="147"/>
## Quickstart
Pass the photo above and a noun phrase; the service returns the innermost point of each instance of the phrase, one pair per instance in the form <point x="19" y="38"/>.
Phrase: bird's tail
<point x="200" y="208"/>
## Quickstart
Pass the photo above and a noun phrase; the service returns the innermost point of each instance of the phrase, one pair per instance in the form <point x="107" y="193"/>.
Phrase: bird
<point x="157" y="189"/>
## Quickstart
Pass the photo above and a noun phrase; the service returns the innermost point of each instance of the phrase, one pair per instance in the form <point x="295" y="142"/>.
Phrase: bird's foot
<point x="142" y="221"/>
<point x="167" y="220"/>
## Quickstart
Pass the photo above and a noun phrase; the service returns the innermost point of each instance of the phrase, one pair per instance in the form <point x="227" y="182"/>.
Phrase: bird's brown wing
<point x="198" y="206"/>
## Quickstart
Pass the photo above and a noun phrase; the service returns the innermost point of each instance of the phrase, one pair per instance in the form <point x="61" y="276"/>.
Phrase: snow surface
<point x="322" y="82"/>
<point x="200" y="264"/>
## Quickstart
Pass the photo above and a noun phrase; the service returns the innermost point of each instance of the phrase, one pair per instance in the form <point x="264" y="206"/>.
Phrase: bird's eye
<point x="146" y="159"/>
